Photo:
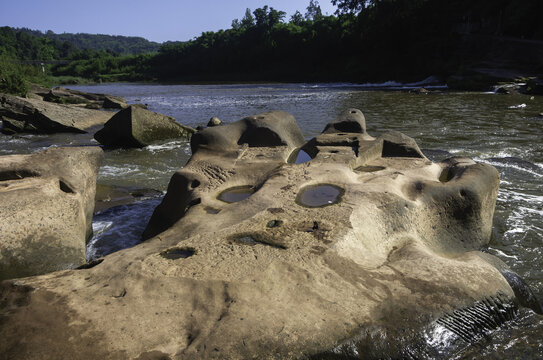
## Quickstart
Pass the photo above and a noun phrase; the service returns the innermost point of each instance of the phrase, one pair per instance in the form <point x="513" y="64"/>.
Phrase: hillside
<point x="123" y="45"/>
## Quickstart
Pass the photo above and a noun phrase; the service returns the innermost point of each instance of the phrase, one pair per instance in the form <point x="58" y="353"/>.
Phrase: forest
<point x="365" y="40"/>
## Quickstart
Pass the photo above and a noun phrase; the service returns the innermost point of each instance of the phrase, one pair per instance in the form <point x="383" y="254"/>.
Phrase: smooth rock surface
<point x="37" y="116"/>
<point x="137" y="127"/>
<point x="371" y="276"/>
<point x="46" y="207"/>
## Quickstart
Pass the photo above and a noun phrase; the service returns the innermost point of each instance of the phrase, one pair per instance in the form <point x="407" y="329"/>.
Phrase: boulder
<point x="364" y="247"/>
<point x="37" y="116"/>
<point x="46" y="207"/>
<point x="137" y="127"/>
<point x="68" y="96"/>
<point x="214" y="121"/>
<point x="534" y="86"/>
<point x="502" y="90"/>
<point x="419" y="91"/>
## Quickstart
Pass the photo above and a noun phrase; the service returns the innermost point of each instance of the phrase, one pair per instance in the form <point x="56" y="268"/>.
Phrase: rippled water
<point x="502" y="130"/>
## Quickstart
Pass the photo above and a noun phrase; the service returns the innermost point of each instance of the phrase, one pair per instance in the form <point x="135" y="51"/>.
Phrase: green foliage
<point x="12" y="80"/>
<point x="367" y="40"/>
<point x="313" y="11"/>
<point x="123" y="45"/>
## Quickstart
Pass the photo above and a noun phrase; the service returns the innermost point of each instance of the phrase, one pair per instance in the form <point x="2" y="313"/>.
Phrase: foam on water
<point x="519" y="106"/>
<point x="119" y="227"/>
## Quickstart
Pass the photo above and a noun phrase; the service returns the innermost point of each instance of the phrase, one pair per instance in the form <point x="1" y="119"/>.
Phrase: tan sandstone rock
<point x="360" y="252"/>
<point x="37" y="116"/>
<point x="135" y="126"/>
<point x="46" y="207"/>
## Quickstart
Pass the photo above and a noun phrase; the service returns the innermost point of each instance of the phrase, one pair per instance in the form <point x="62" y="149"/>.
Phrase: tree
<point x="350" y="6"/>
<point x="248" y="20"/>
<point x="267" y="18"/>
<point x="297" y="18"/>
<point x="314" y="11"/>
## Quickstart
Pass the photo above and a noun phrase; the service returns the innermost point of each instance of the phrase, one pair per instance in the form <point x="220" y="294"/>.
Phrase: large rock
<point x="46" y="207"/>
<point x="366" y="250"/>
<point x="68" y="96"/>
<point x="137" y="127"/>
<point x="37" y="116"/>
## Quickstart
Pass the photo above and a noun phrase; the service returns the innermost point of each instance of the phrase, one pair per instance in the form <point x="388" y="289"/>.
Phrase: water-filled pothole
<point x="298" y="156"/>
<point x="177" y="253"/>
<point x="319" y="195"/>
<point x="236" y="194"/>
<point x="369" y="168"/>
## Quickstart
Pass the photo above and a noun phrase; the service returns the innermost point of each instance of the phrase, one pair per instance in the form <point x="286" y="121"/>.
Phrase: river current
<point x="501" y="130"/>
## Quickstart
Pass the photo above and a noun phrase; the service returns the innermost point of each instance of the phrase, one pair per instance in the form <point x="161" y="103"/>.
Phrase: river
<point x="502" y="130"/>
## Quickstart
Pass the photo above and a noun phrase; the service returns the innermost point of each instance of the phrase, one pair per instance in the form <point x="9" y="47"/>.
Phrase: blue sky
<point x="156" y="20"/>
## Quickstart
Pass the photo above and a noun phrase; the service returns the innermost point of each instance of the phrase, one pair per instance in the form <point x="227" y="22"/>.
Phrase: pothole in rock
<point x="256" y="240"/>
<point x="446" y="175"/>
<point x="369" y="168"/>
<point x="177" y="253"/>
<point x="236" y="194"/>
<point x="211" y="210"/>
<point x="319" y="195"/>
<point x="274" y="223"/>
<point x="299" y="156"/>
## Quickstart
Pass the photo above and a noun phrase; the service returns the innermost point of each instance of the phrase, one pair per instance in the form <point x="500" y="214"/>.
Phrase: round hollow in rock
<point x="369" y="168"/>
<point x="319" y="195"/>
<point x="236" y="194"/>
<point x="177" y="253"/>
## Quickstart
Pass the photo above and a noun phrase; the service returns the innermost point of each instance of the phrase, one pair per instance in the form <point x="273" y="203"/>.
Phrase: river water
<point x="502" y="130"/>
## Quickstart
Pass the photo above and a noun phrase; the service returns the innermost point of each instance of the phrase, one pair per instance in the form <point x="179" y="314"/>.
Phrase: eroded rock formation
<point x="37" y="116"/>
<point x="46" y="207"/>
<point x="351" y="246"/>
<point x="137" y="127"/>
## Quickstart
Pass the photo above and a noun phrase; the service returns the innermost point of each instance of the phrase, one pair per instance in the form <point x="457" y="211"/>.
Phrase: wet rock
<point x="502" y="91"/>
<point x="108" y="196"/>
<point x="46" y="207"/>
<point x="137" y="127"/>
<point x="214" y="121"/>
<point x="390" y="251"/>
<point x="36" y="116"/>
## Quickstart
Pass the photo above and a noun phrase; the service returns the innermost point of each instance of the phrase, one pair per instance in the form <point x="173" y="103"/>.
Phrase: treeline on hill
<point x="122" y="45"/>
<point x="366" y="40"/>
<point x="97" y="60"/>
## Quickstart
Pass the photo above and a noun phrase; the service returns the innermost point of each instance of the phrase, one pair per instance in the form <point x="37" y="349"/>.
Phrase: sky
<point x="155" y="20"/>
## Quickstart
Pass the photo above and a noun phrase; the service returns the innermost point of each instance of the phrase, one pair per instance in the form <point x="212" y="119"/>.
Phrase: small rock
<point x="214" y="121"/>
<point x="420" y="90"/>
<point x="502" y="91"/>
